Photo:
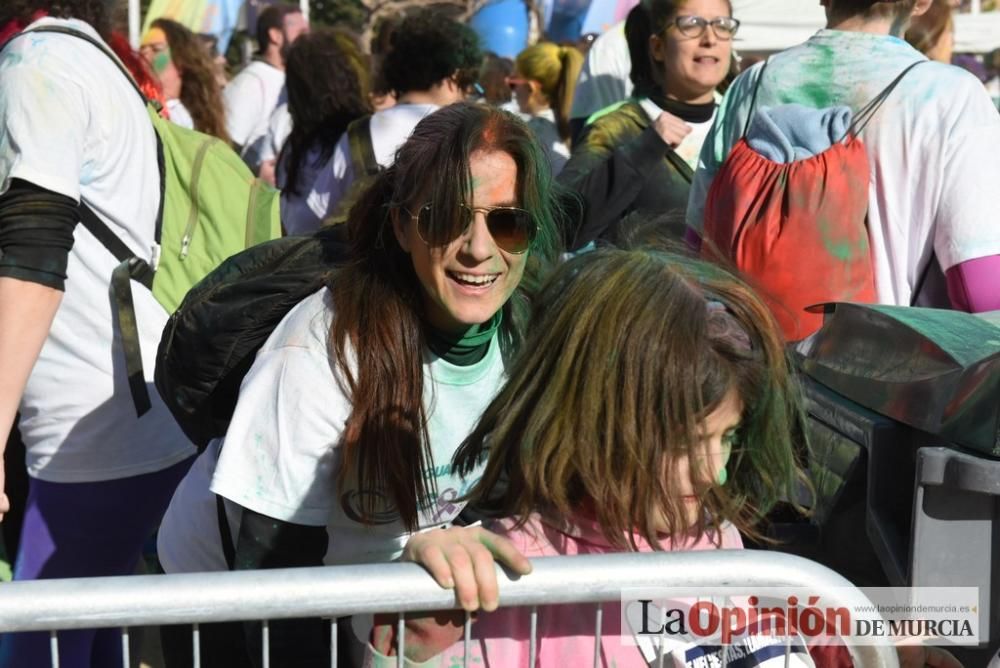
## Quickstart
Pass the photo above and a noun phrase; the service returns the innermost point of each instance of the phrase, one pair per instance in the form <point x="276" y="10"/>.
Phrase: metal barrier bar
<point x="326" y="592"/>
<point x="598" y="627"/>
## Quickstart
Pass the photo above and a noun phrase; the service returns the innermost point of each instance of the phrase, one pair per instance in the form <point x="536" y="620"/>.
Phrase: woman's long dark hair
<point x="377" y="336"/>
<point x="200" y="92"/>
<point x="326" y="78"/>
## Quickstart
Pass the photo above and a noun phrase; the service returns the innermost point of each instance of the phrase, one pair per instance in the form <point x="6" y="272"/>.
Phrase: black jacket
<point x="621" y="166"/>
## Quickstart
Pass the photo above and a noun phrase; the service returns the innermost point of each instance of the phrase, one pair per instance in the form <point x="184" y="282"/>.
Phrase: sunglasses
<point x="724" y="27"/>
<point x="514" y="82"/>
<point x="512" y="229"/>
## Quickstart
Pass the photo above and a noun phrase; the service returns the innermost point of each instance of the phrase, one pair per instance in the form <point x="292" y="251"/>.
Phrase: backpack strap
<point x="130" y="268"/>
<point x="359" y="138"/>
<point x="753" y="98"/>
<point x="866" y="113"/>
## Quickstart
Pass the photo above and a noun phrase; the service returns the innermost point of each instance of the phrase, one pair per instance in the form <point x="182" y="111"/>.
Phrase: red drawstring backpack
<point x="798" y="231"/>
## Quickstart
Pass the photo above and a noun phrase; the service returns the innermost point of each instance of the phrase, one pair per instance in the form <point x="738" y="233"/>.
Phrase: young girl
<point x="651" y="409"/>
<point x="543" y="84"/>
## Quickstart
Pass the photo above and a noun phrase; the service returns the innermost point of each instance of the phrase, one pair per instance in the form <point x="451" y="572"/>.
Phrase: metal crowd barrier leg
<point x="265" y="644"/>
<point x="533" y="647"/>
<point x="125" y="649"/>
<point x="333" y="643"/>
<point x="196" y="646"/>
<point x="467" y="640"/>
<point x="598" y="627"/>
<point x="54" y="648"/>
<point x="400" y="641"/>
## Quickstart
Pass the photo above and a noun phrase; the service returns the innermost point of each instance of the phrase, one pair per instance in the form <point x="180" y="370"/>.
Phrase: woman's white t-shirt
<point x="282" y="450"/>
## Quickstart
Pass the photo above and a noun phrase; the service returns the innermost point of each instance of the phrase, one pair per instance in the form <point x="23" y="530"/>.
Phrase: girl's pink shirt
<point x="565" y="632"/>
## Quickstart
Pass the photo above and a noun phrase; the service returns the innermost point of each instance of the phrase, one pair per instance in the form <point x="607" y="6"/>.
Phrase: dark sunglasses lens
<point x="512" y="229"/>
<point x="441" y="233"/>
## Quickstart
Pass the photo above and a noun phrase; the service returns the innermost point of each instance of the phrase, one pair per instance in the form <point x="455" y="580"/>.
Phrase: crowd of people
<point x="542" y="339"/>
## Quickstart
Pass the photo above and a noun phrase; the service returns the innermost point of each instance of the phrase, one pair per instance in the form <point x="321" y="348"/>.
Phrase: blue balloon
<point x="503" y="27"/>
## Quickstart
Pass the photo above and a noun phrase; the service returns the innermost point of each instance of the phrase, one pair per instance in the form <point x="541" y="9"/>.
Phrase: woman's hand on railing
<point x="462" y="558"/>
<point x="459" y="558"/>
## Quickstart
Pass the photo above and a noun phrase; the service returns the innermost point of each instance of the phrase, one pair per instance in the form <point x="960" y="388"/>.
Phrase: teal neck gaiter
<point x="463" y="348"/>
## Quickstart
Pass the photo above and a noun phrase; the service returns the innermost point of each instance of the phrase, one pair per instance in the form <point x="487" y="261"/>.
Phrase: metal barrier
<point x="330" y="592"/>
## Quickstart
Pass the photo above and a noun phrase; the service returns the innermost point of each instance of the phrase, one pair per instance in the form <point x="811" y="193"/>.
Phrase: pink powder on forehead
<point x="490" y="132"/>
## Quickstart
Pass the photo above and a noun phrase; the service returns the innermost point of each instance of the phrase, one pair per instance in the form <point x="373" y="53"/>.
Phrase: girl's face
<point x="718" y="433"/>
<point x="528" y="95"/>
<point x="156" y="52"/>
<point x="693" y="65"/>
<point x="466" y="281"/>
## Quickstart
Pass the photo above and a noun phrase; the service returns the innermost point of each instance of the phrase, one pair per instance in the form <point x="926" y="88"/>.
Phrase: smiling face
<point x="466" y="281"/>
<point x="692" y="67"/>
<point x="718" y="433"/>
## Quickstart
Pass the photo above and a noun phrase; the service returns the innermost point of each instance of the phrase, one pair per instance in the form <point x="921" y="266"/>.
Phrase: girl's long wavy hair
<point x="200" y="92"/>
<point x="377" y="334"/>
<point x="618" y="372"/>
<point x="326" y="77"/>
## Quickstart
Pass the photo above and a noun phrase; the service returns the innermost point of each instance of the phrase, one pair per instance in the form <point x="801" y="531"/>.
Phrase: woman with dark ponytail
<point x="543" y="84"/>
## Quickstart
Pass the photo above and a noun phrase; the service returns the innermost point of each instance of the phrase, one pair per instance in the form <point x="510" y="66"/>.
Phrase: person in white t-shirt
<point x="432" y="62"/>
<point x="252" y="96"/>
<point x="932" y="147"/>
<point x="73" y="129"/>
<point x="336" y="454"/>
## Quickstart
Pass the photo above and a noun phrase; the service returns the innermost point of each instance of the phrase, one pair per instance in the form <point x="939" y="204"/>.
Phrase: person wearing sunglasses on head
<point x="638" y="157"/>
<point x="342" y="437"/>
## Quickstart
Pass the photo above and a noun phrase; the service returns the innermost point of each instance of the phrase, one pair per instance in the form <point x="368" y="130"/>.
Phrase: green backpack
<point x="211" y="207"/>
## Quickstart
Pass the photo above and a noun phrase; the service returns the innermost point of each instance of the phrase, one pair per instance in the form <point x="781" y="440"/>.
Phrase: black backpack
<point x="211" y="340"/>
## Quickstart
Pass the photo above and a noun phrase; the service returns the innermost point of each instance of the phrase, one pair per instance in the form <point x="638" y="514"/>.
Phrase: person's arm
<point x="459" y="558"/>
<point x="36" y="235"/>
<point x="608" y="175"/>
<point x="974" y="285"/>
<point x="265" y="542"/>
<point x="966" y="235"/>
<point x="26" y="313"/>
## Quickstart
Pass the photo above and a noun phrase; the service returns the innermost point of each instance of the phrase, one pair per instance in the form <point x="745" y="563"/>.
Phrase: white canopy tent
<point x="772" y="25"/>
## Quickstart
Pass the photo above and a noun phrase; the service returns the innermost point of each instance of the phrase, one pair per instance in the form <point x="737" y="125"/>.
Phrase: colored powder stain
<point x="161" y="61"/>
<point x="816" y="92"/>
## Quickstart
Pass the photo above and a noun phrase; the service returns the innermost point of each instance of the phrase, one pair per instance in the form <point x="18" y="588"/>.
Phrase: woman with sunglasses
<point x="543" y="84"/>
<point x="341" y="442"/>
<point x="639" y="157"/>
